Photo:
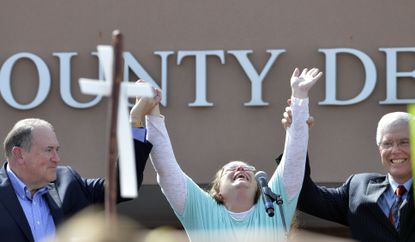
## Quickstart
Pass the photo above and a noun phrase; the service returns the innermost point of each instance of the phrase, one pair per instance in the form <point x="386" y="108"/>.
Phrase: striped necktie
<point x="394" y="212"/>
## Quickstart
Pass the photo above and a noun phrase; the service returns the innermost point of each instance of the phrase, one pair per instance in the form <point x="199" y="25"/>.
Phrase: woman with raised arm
<point x="233" y="209"/>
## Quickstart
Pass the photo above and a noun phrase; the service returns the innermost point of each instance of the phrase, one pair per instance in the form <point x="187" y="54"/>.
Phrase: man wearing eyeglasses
<point x="376" y="207"/>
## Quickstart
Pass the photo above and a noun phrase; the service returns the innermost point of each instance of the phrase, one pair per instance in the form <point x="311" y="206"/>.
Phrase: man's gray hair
<point x="391" y="120"/>
<point x="21" y="134"/>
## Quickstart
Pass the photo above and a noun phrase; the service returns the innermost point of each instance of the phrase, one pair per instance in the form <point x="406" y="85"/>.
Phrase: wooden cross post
<point x="111" y="182"/>
<point x="120" y="140"/>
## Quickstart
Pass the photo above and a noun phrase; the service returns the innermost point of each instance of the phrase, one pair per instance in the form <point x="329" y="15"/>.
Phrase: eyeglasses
<point x="387" y="144"/>
<point x="234" y="167"/>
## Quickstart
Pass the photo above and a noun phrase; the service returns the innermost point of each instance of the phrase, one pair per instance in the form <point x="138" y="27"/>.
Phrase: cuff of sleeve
<point x="139" y="134"/>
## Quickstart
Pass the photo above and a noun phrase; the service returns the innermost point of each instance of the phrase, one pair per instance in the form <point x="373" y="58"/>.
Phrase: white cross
<point x="128" y="176"/>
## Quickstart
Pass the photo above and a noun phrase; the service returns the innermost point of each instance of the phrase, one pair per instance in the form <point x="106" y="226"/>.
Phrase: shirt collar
<point x="394" y="184"/>
<point x="20" y="187"/>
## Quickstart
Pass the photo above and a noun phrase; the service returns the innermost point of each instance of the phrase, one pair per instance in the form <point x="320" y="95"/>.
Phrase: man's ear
<point x="17" y="154"/>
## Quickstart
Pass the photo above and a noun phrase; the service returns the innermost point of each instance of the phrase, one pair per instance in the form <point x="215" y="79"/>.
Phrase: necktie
<point x="394" y="212"/>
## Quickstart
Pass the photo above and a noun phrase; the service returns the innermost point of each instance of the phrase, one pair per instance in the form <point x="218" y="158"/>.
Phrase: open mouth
<point x="398" y="161"/>
<point x="241" y="176"/>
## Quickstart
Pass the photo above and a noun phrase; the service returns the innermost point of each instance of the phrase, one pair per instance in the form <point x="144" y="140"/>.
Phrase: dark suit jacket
<point x="354" y="204"/>
<point x="67" y="195"/>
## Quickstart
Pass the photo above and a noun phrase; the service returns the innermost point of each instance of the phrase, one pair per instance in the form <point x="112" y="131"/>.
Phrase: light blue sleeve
<point x="139" y="134"/>
<point x="201" y="210"/>
<point x="288" y="206"/>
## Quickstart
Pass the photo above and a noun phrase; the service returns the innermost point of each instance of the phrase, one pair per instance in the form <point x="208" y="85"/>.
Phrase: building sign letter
<point x="369" y="82"/>
<point x="65" y="82"/>
<point x="200" y="62"/>
<point x="255" y="78"/>
<point x="130" y="63"/>
<point x="43" y="75"/>
<point x="392" y="74"/>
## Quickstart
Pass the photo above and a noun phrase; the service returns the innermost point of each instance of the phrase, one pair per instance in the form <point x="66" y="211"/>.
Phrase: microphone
<point x="266" y="192"/>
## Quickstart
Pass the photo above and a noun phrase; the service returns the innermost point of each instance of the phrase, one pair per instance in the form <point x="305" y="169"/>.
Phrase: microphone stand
<point x="275" y="198"/>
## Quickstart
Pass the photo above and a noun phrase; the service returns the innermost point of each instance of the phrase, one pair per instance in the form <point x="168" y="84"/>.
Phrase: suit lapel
<point x="10" y="201"/>
<point x="374" y="191"/>
<point x="55" y="203"/>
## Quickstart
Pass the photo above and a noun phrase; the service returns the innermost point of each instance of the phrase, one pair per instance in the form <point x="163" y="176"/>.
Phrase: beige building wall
<point x="341" y="143"/>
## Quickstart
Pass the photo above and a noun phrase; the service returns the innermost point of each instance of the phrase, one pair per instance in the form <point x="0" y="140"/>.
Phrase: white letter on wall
<point x="392" y="74"/>
<point x="130" y="62"/>
<point x="255" y="78"/>
<point x="200" y="56"/>
<point x="369" y="83"/>
<point x="43" y="75"/>
<point x="65" y="81"/>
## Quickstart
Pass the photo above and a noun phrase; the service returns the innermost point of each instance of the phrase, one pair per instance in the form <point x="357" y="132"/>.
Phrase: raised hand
<point x="145" y="105"/>
<point x="301" y="84"/>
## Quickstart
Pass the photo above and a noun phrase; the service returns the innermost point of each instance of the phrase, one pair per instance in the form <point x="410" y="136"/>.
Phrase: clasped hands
<point x="145" y="106"/>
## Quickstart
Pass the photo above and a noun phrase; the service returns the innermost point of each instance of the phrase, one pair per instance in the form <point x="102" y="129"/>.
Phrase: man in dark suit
<point x="376" y="207"/>
<point x="36" y="194"/>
